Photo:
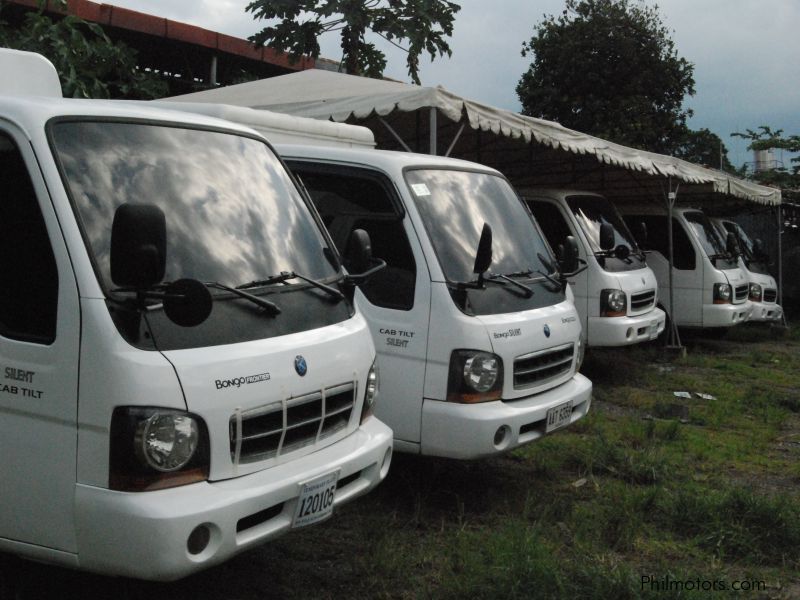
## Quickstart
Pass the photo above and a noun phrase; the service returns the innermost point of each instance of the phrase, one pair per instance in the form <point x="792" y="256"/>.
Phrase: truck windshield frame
<point x="454" y="205"/>
<point x="591" y="212"/>
<point x="709" y="238"/>
<point x="233" y="212"/>
<point x="748" y="250"/>
<point x="234" y="215"/>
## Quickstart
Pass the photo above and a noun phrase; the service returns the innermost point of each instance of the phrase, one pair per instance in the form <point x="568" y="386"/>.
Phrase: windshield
<point x="748" y="247"/>
<point x="706" y="234"/>
<point x="233" y="214"/>
<point x="591" y="212"/>
<point x="454" y="206"/>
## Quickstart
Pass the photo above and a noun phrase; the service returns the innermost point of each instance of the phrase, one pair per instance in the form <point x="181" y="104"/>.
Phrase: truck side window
<point x="29" y="290"/>
<point x="657" y="239"/>
<point x="552" y="222"/>
<point x="352" y="200"/>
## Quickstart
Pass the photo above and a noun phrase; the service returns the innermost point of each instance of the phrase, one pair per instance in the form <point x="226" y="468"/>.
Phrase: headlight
<point x="156" y="448"/>
<point x="722" y="293"/>
<point x="755" y="292"/>
<point x="475" y="376"/>
<point x="613" y="303"/>
<point x="167" y="440"/>
<point x="580" y="352"/>
<point x="371" y="393"/>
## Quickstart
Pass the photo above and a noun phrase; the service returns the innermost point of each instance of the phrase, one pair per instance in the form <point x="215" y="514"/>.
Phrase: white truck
<point x="478" y="340"/>
<point x="753" y="259"/>
<point x="184" y="373"/>
<point x="709" y="288"/>
<point x="617" y="294"/>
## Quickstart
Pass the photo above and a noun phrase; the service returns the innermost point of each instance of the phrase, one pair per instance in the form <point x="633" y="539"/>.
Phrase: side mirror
<point x="359" y="251"/>
<point x="138" y="246"/>
<point x="483" y="257"/>
<point x="568" y="256"/>
<point x="187" y="302"/>
<point x="359" y="261"/>
<point x="732" y="244"/>
<point x="606" y="236"/>
<point x="641" y="234"/>
<point x="758" y="250"/>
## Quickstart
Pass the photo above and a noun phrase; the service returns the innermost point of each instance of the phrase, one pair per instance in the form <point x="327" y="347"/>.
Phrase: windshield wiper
<point x="161" y="293"/>
<point x="268" y="306"/>
<point x="527" y="292"/>
<point x="285" y="276"/>
<point x="496" y="278"/>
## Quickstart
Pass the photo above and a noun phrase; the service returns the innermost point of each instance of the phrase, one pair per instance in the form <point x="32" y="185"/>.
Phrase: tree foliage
<point x="422" y="24"/>
<point x="704" y="147"/>
<point x="609" y="68"/>
<point x="88" y="63"/>
<point x="766" y="138"/>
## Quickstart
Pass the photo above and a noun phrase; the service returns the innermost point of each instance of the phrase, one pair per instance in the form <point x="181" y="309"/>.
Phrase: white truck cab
<point x="478" y="340"/>
<point x="710" y="289"/>
<point x="763" y="288"/>
<point x="617" y="294"/>
<point x="183" y="373"/>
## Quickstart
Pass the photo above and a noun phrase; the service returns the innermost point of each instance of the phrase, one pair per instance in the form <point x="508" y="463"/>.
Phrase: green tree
<point x="704" y="147"/>
<point x="423" y="24"/>
<point x="766" y="138"/>
<point x="88" y="63"/>
<point x="609" y="68"/>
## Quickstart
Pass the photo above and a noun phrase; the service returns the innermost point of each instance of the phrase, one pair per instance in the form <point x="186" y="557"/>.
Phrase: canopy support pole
<point x="394" y="133"/>
<point x="780" y="265"/>
<point x="673" y="339"/>
<point x="212" y="72"/>
<point x="433" y="129"/>
<point x="455" y="139"/>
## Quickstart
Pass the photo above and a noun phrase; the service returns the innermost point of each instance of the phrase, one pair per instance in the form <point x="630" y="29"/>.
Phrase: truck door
<point x="396" y="300"/>
<point x="687" y="274"/>
<point x="39" y="338"/>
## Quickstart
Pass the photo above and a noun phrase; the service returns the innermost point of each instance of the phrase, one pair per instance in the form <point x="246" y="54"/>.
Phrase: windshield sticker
<point x="19" y="375"/>
<point x="507" y="334"/>
<point x="240" y="381"/>
<point x="420" y="189"/>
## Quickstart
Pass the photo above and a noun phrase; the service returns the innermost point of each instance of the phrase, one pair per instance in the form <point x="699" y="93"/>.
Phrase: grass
<point x="648" y="491"/>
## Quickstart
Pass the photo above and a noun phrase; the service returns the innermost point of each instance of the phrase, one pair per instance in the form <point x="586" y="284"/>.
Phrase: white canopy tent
<point x="408" y="116"/>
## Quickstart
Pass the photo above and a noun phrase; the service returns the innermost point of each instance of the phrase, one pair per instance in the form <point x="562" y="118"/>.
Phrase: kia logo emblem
<point x="547" y="330"/>
<point x="300" y="365"/>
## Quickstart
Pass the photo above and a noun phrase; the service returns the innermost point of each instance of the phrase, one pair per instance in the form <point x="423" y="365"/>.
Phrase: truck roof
<point x="387" y="160"/>
<point x="32" y="112"/>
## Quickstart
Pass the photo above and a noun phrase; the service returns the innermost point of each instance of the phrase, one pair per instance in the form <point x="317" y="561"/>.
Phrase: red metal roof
<point x="124" y="18"/>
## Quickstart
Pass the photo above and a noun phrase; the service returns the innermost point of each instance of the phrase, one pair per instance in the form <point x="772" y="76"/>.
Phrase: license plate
<point x="558" y="416"/>
<point x="654" y="330"/>
<point x="315" y="502"/>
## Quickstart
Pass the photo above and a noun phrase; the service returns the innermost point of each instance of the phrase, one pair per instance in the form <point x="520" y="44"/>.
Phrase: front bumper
<point x="468" y="431"/>
<point x="624" y="331"/>
<point x="766" y="312"/>
<point x="144" y="535"/>
<point x="725" y="315"/>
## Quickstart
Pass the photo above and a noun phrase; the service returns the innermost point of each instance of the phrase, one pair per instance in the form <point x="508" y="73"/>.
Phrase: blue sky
<point x="746" y="54"/>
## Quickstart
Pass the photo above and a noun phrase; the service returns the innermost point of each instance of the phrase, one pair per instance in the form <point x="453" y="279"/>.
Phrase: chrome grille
<point x="741" y="292"/>
<point x="770" y="295"/>
<point x="643" y="300"/>
<point x="540" y="367"/>
<point x="282" y="427"/>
